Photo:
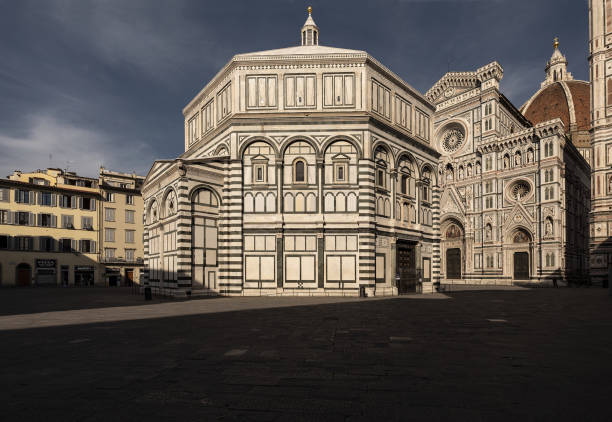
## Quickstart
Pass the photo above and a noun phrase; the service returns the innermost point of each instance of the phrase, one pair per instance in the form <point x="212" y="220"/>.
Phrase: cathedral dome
<point x="562" y="97"/>
<point x="566" y="100"/>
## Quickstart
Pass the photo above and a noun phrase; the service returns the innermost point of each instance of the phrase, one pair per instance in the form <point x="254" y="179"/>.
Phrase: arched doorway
<point x="204" y="231"/>
<point x="23" y="275"/>
<point x="453" y="240"/>
<point x="453" y="263"/>
<point x="521" y="259"/>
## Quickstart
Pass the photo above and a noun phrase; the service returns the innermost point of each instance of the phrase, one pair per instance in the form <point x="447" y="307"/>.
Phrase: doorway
<point x="521" y="266"/>
<point x="406" y="268"/>
<point x="129" y="277"/>
<point x="453" y="263"/>
<point x="24" y="275"/>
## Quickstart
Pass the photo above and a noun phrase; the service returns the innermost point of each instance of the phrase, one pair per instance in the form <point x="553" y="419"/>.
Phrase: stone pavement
<point x="538" y="354"/>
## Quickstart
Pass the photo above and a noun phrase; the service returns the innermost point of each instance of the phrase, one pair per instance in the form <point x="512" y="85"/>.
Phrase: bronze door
<point x="406" y="269"/>
<point x="521" y="266"/>
<point x="453" y="263"/>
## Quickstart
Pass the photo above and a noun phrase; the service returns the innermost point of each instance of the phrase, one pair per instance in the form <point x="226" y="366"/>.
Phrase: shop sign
<point x="83" y="268"/>
<point x="46" y="263"/>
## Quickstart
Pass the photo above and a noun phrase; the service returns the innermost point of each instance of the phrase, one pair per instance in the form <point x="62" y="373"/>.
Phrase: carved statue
<point x="506" y="162"/>
<point x="529" y="156"/>
<point x="488" y="232"/>
<point x="517" y="159"/>
<point x="469" y="171"/>
<point x="548" y="230"/>
<point x="460" y="172"/>
<point x="449" y="173"/>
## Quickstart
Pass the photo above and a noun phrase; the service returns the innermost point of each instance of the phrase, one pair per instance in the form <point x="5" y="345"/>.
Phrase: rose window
<point x="519" y="190"/>
<point x="452" y="140"/>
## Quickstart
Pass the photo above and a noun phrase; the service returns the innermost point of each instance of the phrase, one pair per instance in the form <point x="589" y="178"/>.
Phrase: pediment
<point x="518" y="215"/>
<point x="451" y="202"/>
<point x="260" y="158"/>
<point x="450" y="92"/>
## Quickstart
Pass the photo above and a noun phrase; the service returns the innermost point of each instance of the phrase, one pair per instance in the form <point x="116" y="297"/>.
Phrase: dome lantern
<point x="556" y="68"/>
<point x="310" y="30"/>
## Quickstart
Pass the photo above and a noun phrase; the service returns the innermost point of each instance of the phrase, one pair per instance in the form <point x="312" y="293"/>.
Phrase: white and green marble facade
<point x="358" y="134"/>
<point x="507" y="187"/>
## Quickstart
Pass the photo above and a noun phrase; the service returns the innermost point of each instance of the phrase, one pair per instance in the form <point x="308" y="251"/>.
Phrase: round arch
<point x="253" y="139"/>
<point x="409" y="157"/>
<point x="220" y="148"/>
<point x="197" y="188"/>
<point x="293" y="139"/>
<point x="162" y="205"/>
<point x="428" y="167"/>
<point x="346" y="138"/>
<point x="152" y="206"/>
<point x="387" y="148"/>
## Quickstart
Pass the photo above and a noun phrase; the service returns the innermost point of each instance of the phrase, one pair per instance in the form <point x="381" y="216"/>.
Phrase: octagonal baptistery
<point x="307" y="170"/>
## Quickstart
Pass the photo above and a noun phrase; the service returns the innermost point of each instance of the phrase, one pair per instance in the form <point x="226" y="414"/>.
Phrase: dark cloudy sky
<point x="88" y="83"/>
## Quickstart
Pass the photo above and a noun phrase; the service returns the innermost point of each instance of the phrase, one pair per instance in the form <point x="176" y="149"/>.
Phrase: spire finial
<point x="556" y="44"/>
<point x="310" y="10"/>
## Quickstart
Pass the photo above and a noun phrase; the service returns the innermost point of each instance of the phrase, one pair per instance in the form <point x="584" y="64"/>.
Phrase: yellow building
<point x="49" y="228"/>
<point x="121" y="221"/>
<point x="52" y="228"/>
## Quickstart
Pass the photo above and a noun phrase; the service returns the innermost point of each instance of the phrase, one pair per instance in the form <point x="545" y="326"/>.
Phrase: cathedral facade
<point x="514" y="201"/>
<point x="314" y="170"/>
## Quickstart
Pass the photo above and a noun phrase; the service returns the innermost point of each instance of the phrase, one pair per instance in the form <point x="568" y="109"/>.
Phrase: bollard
<point x="147" y="292"/>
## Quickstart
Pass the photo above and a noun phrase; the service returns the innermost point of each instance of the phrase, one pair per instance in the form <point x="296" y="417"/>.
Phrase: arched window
<point x="404" y="184"/>
<point x="299" y="171"/>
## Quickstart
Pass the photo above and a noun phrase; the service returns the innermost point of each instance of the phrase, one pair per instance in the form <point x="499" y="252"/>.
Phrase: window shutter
<point x="16" y="195"/>
<point x="73" y="200"/>
<point x="73" y="245"/>
<point x="53" y="221"/>
<point x="31" y="219"/>
<point x="80" y="202"/>
<point x="93" y="204"/>
<point x="39" y="196"/>
<point x="32" y="198"/>
<point x="39" y="220"/>
<point x="41" y="243"/>
<point x="93" y="246"/>
<point x="81" y="246"/>
<point x="53" y="200"/>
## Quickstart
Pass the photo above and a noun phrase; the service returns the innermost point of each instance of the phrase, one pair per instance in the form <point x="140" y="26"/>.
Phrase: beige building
<point x="49" y="229"/>
<point x="121" y="221"/>
<point x="52" y="228"/>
